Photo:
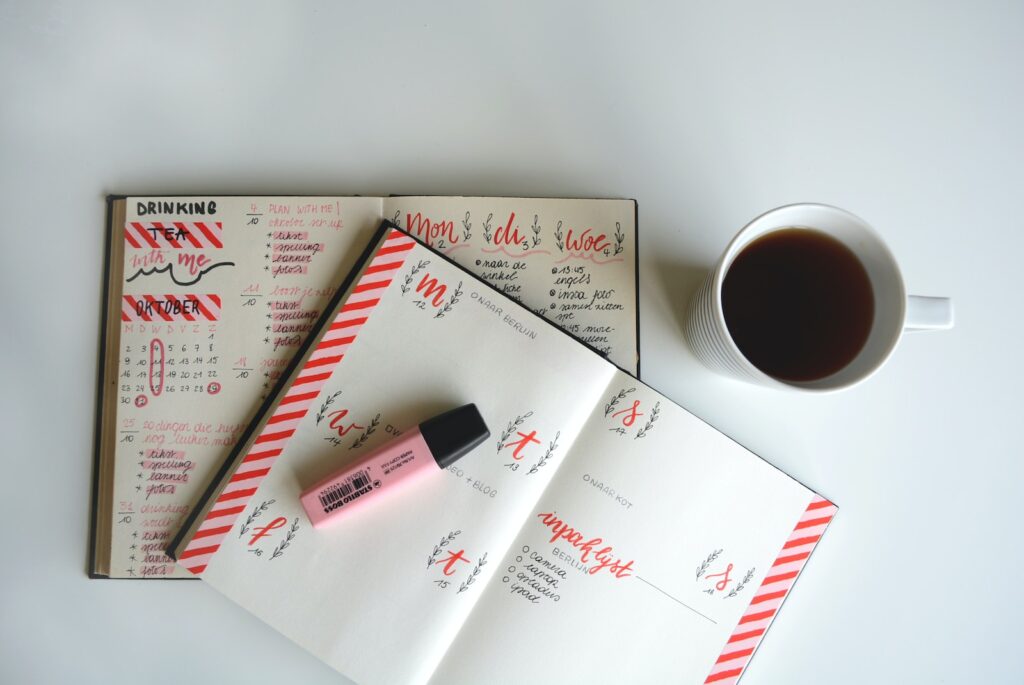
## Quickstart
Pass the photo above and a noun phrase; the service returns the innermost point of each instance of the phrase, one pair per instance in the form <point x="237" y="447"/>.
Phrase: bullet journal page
<point x="396" y="578"/>
<point x="217" y="294"/>
<point x="660" y="552"/>
<point x="572" y="262"/>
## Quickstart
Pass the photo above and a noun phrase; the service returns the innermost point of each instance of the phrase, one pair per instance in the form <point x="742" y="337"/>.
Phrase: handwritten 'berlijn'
<point x="602" y="555"/>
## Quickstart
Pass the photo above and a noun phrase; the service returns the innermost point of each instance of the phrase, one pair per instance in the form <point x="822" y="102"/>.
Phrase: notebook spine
<point x="235" y="486"/>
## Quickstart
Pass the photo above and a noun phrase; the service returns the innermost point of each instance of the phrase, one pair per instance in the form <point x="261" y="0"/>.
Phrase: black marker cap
<point x="453" y="434"/>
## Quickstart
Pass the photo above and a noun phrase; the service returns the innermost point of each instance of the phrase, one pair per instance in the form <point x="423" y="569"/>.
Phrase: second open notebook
<point x="602" y="531"/>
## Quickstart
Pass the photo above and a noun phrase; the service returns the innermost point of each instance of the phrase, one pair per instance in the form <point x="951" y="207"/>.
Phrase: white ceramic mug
<point x="895" y="311"/>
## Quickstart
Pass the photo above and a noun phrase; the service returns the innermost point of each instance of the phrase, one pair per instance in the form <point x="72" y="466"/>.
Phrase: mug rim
<point x="741" y="238"/>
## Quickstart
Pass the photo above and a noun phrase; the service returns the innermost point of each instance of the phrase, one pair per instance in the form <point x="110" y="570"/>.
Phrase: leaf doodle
<point x="466" y="228"/>
<point x="257" y="512"/>
<point x="407" y="282"/>
<point x="552" y="446"/>
<point x="445" y="541"/>
<point x="487" y="227"/>
<point x="480" y="563"/>
<point x="512" y="426"/>
<point x="655" y="415"/>
<point x="325" y="406"/>
<point x="370" y="430"/>
<point x="743" y="583"/>
<point x="288" y="537"/>
<point x="559" y="238"/>
<point x="702" y="569"/>
<point x="535" y="240"/>
<point x="619" y="396"/>
<point x="620" y="237"/>
<point x="452" y="301"/>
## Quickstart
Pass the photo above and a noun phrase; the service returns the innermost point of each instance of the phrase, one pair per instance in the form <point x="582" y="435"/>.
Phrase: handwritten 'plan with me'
<point x="601" y="535"/>
<point x="208" y="298"/>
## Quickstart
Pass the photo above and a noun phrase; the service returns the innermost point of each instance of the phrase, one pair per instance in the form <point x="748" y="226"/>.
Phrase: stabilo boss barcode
<point x="337" y="497"/>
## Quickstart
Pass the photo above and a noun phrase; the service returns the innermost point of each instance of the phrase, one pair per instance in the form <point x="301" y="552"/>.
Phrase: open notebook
<point x="602" y="533"/>
<point x="208" y="298"/>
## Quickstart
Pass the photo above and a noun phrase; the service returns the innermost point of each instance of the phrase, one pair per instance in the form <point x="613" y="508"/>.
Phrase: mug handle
<point x="928" y="313"/>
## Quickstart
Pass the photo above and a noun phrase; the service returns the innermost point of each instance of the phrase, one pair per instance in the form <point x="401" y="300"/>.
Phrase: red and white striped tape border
<point x="144" y="235"/>
<point x="162" y="308"/>
<point x="329" y="351"/>
<point x="773" y="590"/>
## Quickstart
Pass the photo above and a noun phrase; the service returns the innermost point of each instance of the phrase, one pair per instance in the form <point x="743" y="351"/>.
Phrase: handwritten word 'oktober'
<point x="603" y="557"/>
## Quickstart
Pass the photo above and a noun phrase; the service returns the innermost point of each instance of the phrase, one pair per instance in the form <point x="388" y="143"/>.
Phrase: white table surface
<point x="910" y="114"/>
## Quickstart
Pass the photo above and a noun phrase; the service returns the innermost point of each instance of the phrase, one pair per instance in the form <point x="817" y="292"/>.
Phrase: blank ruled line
<point x="676" y="600"/>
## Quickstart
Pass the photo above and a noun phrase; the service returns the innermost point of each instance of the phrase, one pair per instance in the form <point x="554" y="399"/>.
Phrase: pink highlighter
<point x="431" y="446"/>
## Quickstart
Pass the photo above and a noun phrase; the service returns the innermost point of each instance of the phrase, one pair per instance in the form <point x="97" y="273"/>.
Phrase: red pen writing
<point x="262" y="531"/>
<point x="449" y="563"/>
<point x="721" y="585"/>
<point x="631" y="414"/>
<point x="524" y="440"/>
<point x="337" y="422"/>
<point x="602" y="554"/>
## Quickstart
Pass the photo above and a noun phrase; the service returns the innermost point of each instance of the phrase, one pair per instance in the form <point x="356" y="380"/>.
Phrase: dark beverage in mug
<point x="798" y="303"/>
